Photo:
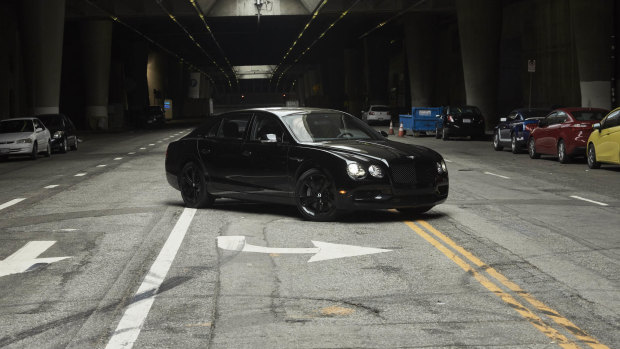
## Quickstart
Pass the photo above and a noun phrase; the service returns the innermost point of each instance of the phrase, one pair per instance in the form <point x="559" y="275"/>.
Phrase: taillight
<point x="371" y="113"/>
<point x="450" y="118"/>
<point x="530" y="127"/>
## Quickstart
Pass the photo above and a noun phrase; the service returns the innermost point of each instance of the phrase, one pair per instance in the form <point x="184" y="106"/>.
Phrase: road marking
<point x="131" y="323"/>
<point x="11" y="203"/>
<point x="26" y="257"/>
<point x="323" y="250"/>
<point x="131" y="153"/>
<point x="448" y="160"/>
<point x="102" y="165"/>
<point x="80" y="174"/>
<point x="496" y="175"/>
<point x="142" y="148"/>
<point x="551" y="313"/>
<point x="51" y="186"/>
<point x="118" y="158"/>
<point x="150" y="145"/>
<point x="588" y="200"/>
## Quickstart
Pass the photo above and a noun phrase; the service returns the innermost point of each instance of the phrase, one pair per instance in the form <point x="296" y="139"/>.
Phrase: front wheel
<point x="48" y="153"/>
<point x="562" y="156"/>
<point x="35" y="151"/>
<point x="531" y="149"/>
<point x="496" y="144"/>
<point x="513" y="144"/>
<point x="193" y="185"/>
<point x="437" y="133"/>
<point x="63" y="145"/>
<point x="444" y="134"/>
<point x="75" y="144"/>
<point x="315" y="196"/>
<point x="592" y="163"/>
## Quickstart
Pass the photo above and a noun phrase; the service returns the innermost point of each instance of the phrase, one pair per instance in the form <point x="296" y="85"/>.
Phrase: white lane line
<point x="142" y="148"/>
<point x="118" y="158"/>
<point x="102" y="165"/>
<point x="131" y="323"/>
<point x="80" y="174"/>
<point x="448" y="160"/>
<point x="51" y="186"/>
<point x="496" y="175"/>
<point x="588" y="200"/>
<point x="131" y="153"/>
<point x="150" y="145"/>
<point x="11" y="203"/>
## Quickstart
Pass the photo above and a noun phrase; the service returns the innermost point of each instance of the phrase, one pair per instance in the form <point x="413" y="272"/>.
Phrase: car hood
<point x="378" y="149"/>
<point x="13" y="136"/>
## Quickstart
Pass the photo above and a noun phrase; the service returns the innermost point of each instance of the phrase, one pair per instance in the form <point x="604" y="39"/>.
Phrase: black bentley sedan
<point x="323" y="161"/>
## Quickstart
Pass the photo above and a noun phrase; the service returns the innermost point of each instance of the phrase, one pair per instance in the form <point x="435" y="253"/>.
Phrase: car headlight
<point x="441" y="167"/>
<point x="27" y="140"/>
<point x="58" y="134"/>
<point x="375" y="171"/>
<point x="355" y="170"/>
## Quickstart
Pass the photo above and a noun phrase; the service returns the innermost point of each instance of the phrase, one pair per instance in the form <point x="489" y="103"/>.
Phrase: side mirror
<point x="39" y="129"/>
<point x="502" y="120"/>
<point x="597" y="126"/>
<point x="269" y="138"/>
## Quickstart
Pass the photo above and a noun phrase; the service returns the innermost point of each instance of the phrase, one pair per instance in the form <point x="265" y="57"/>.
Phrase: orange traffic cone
<point x="391" y="130"/>
<point x="401" y="131"/>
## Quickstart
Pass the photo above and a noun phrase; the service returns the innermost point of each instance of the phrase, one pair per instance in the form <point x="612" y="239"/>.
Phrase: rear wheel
<point x="496" y="144"/>
<point x="531" y="147"/>
<point x="437" y="133"/>
<point x="592" y="163"/>
<point x="315" y="196"/>
<point x="410" y="211"/>
<point x="193" y="185"/>
<point x="444" y="134"/>
<point x="562" y="156"/>
<point x="75" y="144"/>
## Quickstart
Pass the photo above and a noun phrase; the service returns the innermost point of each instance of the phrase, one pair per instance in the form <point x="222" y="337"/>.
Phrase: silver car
<point x="376" y="113"/>
<point x="24" y="136"/>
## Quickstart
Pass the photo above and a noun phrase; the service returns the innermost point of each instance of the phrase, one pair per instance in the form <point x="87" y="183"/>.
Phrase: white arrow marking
<point x="26" y="257"/>
<point x="323" y="250"/>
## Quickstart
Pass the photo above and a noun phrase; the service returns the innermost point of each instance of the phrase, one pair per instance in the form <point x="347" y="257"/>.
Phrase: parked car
<point x="514" y="129"/>
<point x="62" y="130"/>
<point x="154" y="115"/>
<point x="461" y="121"/>
<point x="377" y="113"/>
<point x="564" y="133"/>
<point x="604" y="141"/>
<point x="24" y="136"/>
<point x="323" y="161"/>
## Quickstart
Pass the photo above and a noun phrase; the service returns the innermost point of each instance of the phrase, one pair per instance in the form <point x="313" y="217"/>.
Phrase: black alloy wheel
<point x="513" y="144"/>
<point x="496" y="144"/>
<point x="444" y="134"/>
<point x="48" y="153"/>
<point x="193" y="185"/>
<point x="75" y="143"/>
<point x="63" y="145"/>
<point x="437" y="133"/>
<point x="592" y="163"/>
<point x="531" y="147"/>
<point x="315" y="196"/>
<point x="35" y="151"/>
<point x="562" y="156"/>
<point x="411" y="211"/>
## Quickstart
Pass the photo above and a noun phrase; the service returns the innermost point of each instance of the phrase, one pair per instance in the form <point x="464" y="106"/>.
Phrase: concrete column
<point x="43" y="27"/>
<point x="97" y="46"/>
<point x="420" y="45"/>
<point x="376" y="69"/>
<point x="479" y="31"/>
<point x="592" y="30"/>
<point x="353" y="81"/>
<point x="156" y="75"/>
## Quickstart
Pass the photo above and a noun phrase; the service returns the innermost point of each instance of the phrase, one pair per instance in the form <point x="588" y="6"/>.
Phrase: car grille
<point x="419" y="172"/>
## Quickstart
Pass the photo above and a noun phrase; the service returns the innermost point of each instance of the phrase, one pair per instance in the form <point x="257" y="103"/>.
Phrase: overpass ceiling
<point x="245" y="38"/>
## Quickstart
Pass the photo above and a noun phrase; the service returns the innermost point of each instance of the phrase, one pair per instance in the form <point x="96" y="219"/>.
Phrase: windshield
<point x="328" y="126"/>
<point x="12" y="126"/>
<point x="535" y="113"/>
<point x="379" y="108"/>
<point x="52" y="121"/>
<point x="590" y="115"/>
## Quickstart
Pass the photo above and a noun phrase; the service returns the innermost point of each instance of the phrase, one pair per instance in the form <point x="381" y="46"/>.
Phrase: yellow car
<point x="604" y="141"/>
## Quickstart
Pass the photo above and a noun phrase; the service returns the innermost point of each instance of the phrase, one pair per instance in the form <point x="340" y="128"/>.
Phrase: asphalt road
<point x="516" y="258"/>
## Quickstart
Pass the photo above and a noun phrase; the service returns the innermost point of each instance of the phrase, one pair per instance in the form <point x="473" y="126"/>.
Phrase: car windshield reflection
<point x="320" y="127"/>
<point x="16" y="126"/>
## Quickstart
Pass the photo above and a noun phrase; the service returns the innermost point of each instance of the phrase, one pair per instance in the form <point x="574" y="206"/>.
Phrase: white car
<point x="376" y="113"/>
<point x="24" y="136"/>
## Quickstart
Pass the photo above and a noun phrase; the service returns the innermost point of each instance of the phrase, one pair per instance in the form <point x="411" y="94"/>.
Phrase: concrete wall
<point x="12" y="87"/>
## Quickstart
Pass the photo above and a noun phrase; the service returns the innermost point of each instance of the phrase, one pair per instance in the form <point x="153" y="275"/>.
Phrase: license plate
<point x="467" y="121"/>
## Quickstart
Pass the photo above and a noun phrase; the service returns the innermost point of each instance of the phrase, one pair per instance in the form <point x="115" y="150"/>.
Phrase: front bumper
<point x="16" y="149"/>
<point x="172" y="180"/>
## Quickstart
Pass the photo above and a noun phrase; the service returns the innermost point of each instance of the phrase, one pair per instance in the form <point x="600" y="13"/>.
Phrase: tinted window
<point x="465" y="110"/>
<point x="16" y="126"/>
<point x="612" y="120"/>
<point x="264" y="125"/>
<point x="379" y="108"/>
<point x="208" y="129"/>
<point x="233" y="126"/>
<point x="322" y="126"/>
<point x="534" y="113"/>
<point x="590" y="115"/>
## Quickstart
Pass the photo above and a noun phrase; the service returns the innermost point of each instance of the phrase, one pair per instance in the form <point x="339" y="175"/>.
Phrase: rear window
<point x="465" y="110"/>
<point x="535" y="113"/>
<point x="590" y="115"/>
<point x="379" y="108"/>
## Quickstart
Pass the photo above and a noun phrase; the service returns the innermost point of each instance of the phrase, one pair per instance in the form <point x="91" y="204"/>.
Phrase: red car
<point x="564" y="133"/>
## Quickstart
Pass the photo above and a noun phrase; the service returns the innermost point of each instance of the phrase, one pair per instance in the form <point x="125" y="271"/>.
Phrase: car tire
<point x="35" y="151"/>
<point x="513" y="144"/>
<point x="563" y="158"/>
<point x="496" y="144"/>
<point x="531" y="149"/>
<point x="193" y="187"/>
<point x="48" y="153"/>
<point x="592" y="163"/>
<point x="412" y="211"/>
<point x="437" y="133"/>
<point x="63" y="145"/>
<point x="75" y="144"/>
<point x="444" y="134"/>
<point x="315" y="196"/>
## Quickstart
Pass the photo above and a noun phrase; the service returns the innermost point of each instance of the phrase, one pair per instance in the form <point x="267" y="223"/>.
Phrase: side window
<point x="513" y="117"/>
<point x="612" y="120"/>
<point x="264" y="125"/>
<point x="549" y="120"/>
<point x="208" y="129"/>
<point x="38" y="124"/>
<point x="233" y="126"/>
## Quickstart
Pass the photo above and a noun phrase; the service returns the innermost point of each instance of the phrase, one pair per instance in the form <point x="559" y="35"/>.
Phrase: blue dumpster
<point x="422" y="119"/>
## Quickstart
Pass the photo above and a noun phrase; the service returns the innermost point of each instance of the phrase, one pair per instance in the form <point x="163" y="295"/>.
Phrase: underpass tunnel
<point x="103" y="63"/>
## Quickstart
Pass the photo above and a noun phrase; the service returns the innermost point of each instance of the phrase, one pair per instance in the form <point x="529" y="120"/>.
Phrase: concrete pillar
<point x="592" y="30"/>
<point x="97" y="46"/>
<point x="353" y="81"/>
<point x="376" y="69"/>
<point x="420" y="45"/>
<point x="616" y="53"/>
<point x="156" y="77"/>
<point x="479" y="31"/>
<point x="43" y="27"/>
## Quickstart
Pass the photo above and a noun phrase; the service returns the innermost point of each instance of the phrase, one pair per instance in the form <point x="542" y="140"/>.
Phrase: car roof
<point x="574" y="109"/>
<point x="521" y="110"/>
<point x="284" y="111"/>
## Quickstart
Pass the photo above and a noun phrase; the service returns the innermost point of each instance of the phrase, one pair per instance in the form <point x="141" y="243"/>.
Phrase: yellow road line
<point x="534" y="319"/>
<point x="559" y="319"/>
